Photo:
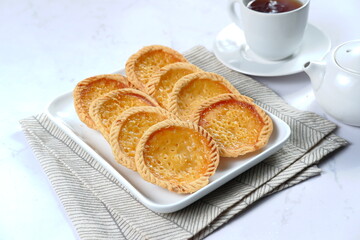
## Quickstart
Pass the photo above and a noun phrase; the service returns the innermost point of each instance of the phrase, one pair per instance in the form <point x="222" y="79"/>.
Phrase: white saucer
<point x="231" y="49"/>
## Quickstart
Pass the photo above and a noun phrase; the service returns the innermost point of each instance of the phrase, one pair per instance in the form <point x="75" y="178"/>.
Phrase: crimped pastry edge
<point x="79" y="104"/>
<point x="264" y="134"/>
<point x="120" y="156"/>
<point x="130" y="64"/>
<point x="95" y="106"/>
<point x="152" y="85"/>
<point x="173" y="103"/>
<point x="171" y="186"/>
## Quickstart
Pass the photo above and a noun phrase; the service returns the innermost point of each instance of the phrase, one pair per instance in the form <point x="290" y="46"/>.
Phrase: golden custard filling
<point x="113" y="107"/>
<point x="151" y="62"/>
<point x="177" y="154"/>
<point x="166" y="84"/>
<point x="98" y="88"/>
<point x="133" y="129"/>
<point x="232" y="124"/>
<point x="192" y="95"/>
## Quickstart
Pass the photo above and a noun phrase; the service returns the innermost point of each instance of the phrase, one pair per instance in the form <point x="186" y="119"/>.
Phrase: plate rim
<point x="157" y="207"/>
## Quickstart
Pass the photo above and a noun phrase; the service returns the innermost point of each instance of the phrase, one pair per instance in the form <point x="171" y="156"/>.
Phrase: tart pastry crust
<point x="106" y="109"/>
<point x="129" y="127"/>
<point x="237" y="124"/>
<point x="193" y="89"/>
<point x="142" y="65"/>
<point x="91" y="88"/>
<point x="176" y="155"/>
<point x="161" y="84"/>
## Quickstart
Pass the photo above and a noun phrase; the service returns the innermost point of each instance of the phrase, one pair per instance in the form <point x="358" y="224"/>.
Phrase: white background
<point x="47" y="46"/>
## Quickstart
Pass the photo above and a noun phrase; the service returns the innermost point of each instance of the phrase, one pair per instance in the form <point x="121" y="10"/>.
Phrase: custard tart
<point x="91" y="88"/>
<point x="162" y="82"/>
<point x="128" y="128"/>
<point x="141" y="66"/>
<point x="193" y="89"/>
<point x="106" y="109"/>
<point x="237" y="124"/>
<point x="176" y="155"/>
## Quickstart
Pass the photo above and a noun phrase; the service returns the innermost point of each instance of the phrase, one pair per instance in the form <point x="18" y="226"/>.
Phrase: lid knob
<point x="347" y="56"/>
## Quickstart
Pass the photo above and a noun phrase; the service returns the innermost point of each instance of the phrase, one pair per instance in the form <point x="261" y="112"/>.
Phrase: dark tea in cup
<point x="277" y="31"/>
<point x="274" y="6"/>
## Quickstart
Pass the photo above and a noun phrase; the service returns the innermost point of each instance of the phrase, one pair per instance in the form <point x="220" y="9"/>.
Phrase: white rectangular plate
<point x="61" y="111"/>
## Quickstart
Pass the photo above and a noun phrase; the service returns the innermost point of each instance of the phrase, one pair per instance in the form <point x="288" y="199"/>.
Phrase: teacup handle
<point x="233" y="15"/>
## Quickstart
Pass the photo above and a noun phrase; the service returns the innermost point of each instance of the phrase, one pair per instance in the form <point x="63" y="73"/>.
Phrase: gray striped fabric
<point x="101" y="208"/>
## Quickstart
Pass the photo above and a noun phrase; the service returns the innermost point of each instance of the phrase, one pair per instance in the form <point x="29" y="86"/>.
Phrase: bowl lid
<point x="347" y="56"/>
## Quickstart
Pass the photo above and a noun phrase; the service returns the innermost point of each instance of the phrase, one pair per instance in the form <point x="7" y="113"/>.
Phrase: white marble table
<point x="47" y="46"/>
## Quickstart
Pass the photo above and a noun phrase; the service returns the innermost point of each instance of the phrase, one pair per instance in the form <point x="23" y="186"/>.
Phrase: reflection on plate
<point x="62" y="112"/>
<point x="231" y="49"/>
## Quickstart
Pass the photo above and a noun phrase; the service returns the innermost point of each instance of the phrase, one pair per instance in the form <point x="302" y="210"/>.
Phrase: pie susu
<point x="162" y="82"/>
<point x="106" y="109"/>
<point x="193" y="89"/>
<point x="237" y="124"/>
<point x="92" y="88"/>
<point x="176" y="155"/>
<point x="141" y="66"/>
<point x="129" y="127"/>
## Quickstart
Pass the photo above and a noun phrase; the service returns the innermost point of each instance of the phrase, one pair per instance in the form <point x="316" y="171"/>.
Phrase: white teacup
<point x="273" y="36"/>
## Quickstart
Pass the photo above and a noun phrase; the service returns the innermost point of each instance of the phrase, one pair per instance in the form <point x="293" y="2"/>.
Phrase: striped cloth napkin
<point x="101" y="208"/>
